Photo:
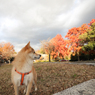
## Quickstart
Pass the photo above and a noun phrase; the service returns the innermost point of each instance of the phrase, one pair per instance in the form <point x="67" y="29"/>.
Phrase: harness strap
<point x="22" y="75"/>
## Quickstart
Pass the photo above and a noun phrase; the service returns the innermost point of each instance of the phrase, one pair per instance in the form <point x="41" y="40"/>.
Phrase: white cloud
<point x="35" y="20"/>
<point x="81" y="13"/>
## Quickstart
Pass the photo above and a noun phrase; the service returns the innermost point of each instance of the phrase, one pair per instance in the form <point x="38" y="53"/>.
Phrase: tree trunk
<point x="49" y="58"/>
<point x="58" y="55"/>
<point x="78" y="58"/>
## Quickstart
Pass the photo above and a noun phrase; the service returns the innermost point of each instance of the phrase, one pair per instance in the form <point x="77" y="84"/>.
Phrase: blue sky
<point x="22" y="21"/>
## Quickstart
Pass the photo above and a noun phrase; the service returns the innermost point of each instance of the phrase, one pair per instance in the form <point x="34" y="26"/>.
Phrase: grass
<point x="52" y="77"/>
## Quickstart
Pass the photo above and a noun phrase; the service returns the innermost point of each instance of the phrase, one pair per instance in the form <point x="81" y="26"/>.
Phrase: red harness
<point x="22" y="75"/>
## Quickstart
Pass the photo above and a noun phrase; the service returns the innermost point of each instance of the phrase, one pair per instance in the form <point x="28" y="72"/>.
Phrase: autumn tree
<point x="74" y="40"/>
<point x="91" y="22"/>
<point x="6" y="49"/>
<point x="42" y="51"/>
<point x="47" y="47"/>
<point x="60" y="47"/>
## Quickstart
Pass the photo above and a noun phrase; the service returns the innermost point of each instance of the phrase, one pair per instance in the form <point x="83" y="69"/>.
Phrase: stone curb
<point x="85" y="88"/>
<point x="93" y="64"/>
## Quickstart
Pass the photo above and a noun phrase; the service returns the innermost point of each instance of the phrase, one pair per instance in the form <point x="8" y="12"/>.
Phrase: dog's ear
<point x="28" y="43"/>
<point x="27" y="46"/>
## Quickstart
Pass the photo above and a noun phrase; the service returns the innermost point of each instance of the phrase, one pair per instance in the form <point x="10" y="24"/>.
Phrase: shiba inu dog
<point x="23" y="72"/>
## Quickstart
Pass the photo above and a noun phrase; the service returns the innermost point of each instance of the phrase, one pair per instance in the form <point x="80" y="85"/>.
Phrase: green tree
<point x="88" y="38"/>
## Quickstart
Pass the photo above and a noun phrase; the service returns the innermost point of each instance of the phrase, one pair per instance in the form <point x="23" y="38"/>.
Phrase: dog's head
<point x="30" y="52"/>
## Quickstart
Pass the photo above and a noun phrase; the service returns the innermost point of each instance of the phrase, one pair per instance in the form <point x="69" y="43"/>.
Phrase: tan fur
<point x="24" y="63"/>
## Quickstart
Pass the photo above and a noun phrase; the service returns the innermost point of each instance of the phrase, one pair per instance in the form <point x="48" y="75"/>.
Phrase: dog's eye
<point x="34" y="51"/>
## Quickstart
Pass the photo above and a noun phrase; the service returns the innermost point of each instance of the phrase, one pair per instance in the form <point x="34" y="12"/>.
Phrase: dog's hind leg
<point x="35" y="83"/>
<point x="35" y="79"/>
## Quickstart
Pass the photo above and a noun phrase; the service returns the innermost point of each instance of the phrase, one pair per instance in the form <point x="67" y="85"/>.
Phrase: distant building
<point x="44" y="57"/>
<point x="14" y="55"/>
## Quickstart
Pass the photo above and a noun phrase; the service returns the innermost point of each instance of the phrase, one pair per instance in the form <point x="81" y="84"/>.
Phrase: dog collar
<point x="22" y="75"/>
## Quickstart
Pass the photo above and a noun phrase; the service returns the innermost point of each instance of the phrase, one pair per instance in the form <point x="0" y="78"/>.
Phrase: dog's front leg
<point x="29" y="87"/>
<point x="16" y="89"/>
<point x="25" y="89"/>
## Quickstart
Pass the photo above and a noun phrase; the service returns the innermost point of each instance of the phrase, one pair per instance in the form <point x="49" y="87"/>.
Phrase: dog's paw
<point x="24" y="91"/>
<point x="36" y="89"/>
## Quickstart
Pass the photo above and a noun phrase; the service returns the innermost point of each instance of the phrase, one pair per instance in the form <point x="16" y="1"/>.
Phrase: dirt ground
<point x="52" y="77"/>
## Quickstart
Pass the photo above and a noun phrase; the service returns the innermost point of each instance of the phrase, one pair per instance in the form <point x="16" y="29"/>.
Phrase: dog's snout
<point x="40" y="55"/>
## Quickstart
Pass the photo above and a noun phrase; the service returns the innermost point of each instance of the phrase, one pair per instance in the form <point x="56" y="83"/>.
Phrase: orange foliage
<point x="84" y="28"/>
<point x="73" y="37"/>
<point x="92" y="21"/>
<point x="6" y="49"/>
<point x="60" y="48"/>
